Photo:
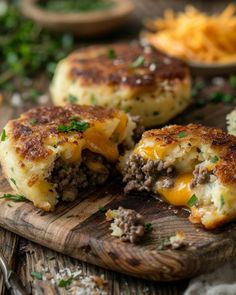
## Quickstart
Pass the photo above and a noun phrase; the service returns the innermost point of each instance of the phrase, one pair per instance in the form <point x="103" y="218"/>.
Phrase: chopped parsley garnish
<point x="197" y="88"/>
<point x="163" y="244"/>
<point x="111" y="53"/>
<point x="33" y="121"/>
<point x="4" y="135"/>
<point x="93" y="100"/>
<point x="13" y="181"/>
<point x="37" y="275"/>
<point x="126" y="109"/>
<point x="214" y="159"/>
<point x="72" y="98"/>
<point x="138" y="62"/>
<point x="74" y="126"/>
<point x="232" y="81"/>
<point x="64" y="283"/>
<point x="14" y="198"/>
<point x="182" y="134"/>
<point x="192" y="201"/>
<point x="222" y="202"/>
<point x="220" y="97"/>
<point x="148" y="227"/>
<point x="102" y="209"/>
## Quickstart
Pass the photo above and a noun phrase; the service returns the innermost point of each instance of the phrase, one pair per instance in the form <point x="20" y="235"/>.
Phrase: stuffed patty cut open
<point x="53" y="152"/>
<point x="192" y="166"/>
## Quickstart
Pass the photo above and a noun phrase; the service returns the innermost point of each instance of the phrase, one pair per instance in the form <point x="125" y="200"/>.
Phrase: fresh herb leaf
<point x="138" y="62"/>
<point x="221" y="97"/>
<point x="126" y="109"/>
<point x="33" y="121"/>
<point x="111" y="53"/>
<point x="102" y="209"/>
<point x="148" y="227"/>
<point x="72" y="98"/>
<point x="64" y="283"/>
<point x="4" y="135"/>
<point x="163" y="244"/>
<point x="214" y="159"/>
<point x="182" y="134"/>
<point x="74" y="126"/>
<point x="227" y="98"/>
<point x="13" y="181"/>
<point x="222" y="202"/>
<point x="14" y="198"/>
<point x="192" y="201"/>
<point x="37" y="275"/>
<point x="93" y="100"/>
<point x="232" y="81"/>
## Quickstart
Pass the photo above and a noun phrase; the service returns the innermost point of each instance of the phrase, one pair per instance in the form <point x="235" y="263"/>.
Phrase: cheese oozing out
<point x="180" y="193"/>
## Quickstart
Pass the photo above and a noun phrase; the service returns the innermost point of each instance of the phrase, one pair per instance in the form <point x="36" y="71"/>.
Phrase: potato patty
<point x="129" y="77"/>
<point x="192" y="166"/>
<point x="52" y="152"/>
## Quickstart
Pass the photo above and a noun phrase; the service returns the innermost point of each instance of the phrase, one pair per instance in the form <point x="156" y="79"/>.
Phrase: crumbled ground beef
<point x="201" y="176"/>
<point x="143" y="174"/>
<point x="69" y="178"/>
<point x="130" y="223"/>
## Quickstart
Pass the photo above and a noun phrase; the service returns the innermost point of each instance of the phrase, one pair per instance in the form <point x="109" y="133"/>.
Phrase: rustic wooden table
<point x="24" y="255"/>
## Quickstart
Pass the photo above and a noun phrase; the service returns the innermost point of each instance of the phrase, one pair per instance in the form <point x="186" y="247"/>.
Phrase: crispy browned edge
<point x="90" y="68"/>
<point x="29" y="137"/>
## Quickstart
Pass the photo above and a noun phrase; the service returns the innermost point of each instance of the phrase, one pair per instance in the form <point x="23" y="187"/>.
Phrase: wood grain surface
<point x="24" y="255"/>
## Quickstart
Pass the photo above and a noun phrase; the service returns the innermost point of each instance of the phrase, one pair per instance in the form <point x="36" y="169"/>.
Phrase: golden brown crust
<point x="31" y="129"/>
<point x="93" y="66"/>
<point x="223" y="144"/>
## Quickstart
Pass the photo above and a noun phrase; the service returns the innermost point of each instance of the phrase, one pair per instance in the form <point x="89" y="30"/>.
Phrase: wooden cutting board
<point x="80" y="230"/>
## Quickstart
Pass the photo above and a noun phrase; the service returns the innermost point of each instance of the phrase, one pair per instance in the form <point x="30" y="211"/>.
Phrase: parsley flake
<point x="64" y="283"/>
<point x="13" y="181"/>
<point x="222" y="202"/>
<point x="182" y="134"/>
<point x="111" y="53"/>
<point x="72" y="98"/>
<point x="74" y="126"/>
<point x="192" y="201"/>
<point x="4" y="135"/>
<point x="37" y="275"/>
<point x="232" y="81"/>
<point x="14" y="198"/>
<point x="126" y="109"/>
<point x="102" y="209"/>
<point x="214" y="159"/>
<point x="93" y="100"/>
<point x="138" y="62"/>
<point x="33" y="121"/>
<point x="148" y="227"/>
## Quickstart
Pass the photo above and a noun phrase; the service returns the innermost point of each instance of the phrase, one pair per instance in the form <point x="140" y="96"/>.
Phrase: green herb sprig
<point x="192" y="201"/>
<point x="14" y="198"/>
<point x="80" y="126"/>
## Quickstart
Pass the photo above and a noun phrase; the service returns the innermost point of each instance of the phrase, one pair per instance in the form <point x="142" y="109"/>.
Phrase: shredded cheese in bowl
<point x="194" y="36"/>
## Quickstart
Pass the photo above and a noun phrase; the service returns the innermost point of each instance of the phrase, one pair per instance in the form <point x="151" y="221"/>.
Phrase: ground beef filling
<point x="131" y="224"/>
<point x="144" y="174"/>
<point x="69" y="178"/>
<point x="201" y="176"/>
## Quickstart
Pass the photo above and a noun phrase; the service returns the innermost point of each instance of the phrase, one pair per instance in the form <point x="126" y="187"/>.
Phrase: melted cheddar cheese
<point x="180" y="193"/>
<point x="148" y="149"/>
